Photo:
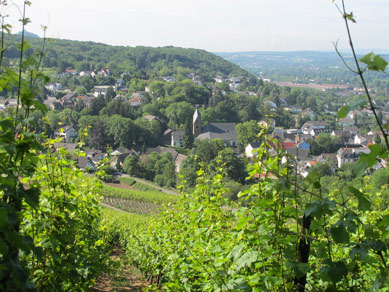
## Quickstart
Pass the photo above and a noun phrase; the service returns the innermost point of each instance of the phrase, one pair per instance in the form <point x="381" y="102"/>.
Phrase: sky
<point x="212" y="25"/>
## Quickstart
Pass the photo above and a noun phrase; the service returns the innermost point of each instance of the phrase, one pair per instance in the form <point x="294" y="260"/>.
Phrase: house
<point x="136" y="102"/>
<point x="86" y="163"/>
<point x="271" y="124"/>
<point x="346" y="122"/>
<point x="220" y="79"/>
<point x="167" y="136"/>
<point x="178" y="161"/>
<point x="293" y="109"/>
<point x="176" y="157"/>
<point x="176" y="138"/>
<point x="151" y="118"/>
<point x="70" y="147"/>
<point x="350" y="155"/>
<point x="291" y="144"/>
<point x="329" y="158"/>
<point x="104" y="72"/>
<point x="100" y="90"/>
<point x="251" y="148"/>
<point x="313" y="125"/>
<point x="119" y="155"/>
<point x="308" y="113"/>
<point x="85" y="73"/>
<point x="53" y="86"/>
<point x="351" y="129"/>
<point x="87" y="99"/>
<point x="53" y="103"/>
<point x="68" y="133"/>
<point x="362" y="140"/>
<point x="303" y="145"/>
<point x="270" y="103"/>
<point x="69" y="99"/>
<point x="316" y="132"/>
<point x="168" y="78"/>
<point x="234" y="83"/>
<point x="138" y="94"/>
<point x="71" y="72"/>
<point x="119" y="83"/>
<point x="94" y="155"/>
<point x="298" y="154"/>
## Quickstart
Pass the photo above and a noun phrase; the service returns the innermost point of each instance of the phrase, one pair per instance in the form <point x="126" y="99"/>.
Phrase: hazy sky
<point x="213" y="25"/>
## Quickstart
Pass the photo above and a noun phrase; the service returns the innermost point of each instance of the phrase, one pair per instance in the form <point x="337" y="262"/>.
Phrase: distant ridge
<point x="29" y="34"/>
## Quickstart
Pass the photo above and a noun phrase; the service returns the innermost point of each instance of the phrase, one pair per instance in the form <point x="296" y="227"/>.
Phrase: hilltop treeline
<point x="141" y="62"/>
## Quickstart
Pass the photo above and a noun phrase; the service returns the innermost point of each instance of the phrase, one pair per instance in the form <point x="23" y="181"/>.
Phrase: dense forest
<point x="137" y="61"/>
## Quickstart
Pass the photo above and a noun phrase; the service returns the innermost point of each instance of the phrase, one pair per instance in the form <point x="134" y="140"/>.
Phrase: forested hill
<point x="149" y="61"/>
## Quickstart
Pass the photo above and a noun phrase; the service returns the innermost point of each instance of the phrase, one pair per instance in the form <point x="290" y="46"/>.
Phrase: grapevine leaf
<point x="319" y="208"/>
<point x="363" y="203"/>
<point x="359" y="102"/>
<point x="350" y="17"/>
<point x="384" y="222"/>
<point x="359" y="250"/>
<point x="339" y="233"/>
<point x="3" y="248"/>
<point x="236" y="252"/>
<point x="374" y="62"/>
<point x="337" y="271"/>
<point x="342" y="113"/>
<point x="246" y="259"/>
<point x="3" y="216"/>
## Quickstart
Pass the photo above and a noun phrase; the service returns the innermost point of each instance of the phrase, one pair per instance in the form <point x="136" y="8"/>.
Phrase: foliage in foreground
<point x="66" y="228"/>
<point x="291" y="237"/>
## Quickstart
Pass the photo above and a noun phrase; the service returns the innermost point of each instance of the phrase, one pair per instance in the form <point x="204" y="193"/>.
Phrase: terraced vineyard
<point x="136" y="201"/>
<point x="132" y="206"/>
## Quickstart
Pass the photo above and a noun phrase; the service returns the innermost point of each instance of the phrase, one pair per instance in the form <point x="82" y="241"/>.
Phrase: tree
<point x="247" y="132"/>
<point x="98" y="138"/>
<point x="321" y="169"/>
<point x="98" y="104"/>
<point x="178" y="113"/>
<point x="131" y="165"/>
<point x="187" y="137"/>
<point x="232" y="164"/>
<point x="206" y="150"/>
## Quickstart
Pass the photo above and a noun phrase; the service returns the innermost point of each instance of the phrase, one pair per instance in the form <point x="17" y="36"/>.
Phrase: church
<point x="223" y="131"/>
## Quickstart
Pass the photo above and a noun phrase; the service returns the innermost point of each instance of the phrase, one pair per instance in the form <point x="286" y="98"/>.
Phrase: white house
<point x="313" y="125"/>
<point x="251" y="148"/>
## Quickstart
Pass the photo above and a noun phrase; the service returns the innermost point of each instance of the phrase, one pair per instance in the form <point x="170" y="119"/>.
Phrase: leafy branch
<point x="373" y="62"/>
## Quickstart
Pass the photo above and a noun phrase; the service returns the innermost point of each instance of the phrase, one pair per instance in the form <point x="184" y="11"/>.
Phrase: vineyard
<point x="132" y="206"/>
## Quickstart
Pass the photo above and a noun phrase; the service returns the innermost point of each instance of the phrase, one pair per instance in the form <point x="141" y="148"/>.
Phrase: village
<point x="297" y="142"/>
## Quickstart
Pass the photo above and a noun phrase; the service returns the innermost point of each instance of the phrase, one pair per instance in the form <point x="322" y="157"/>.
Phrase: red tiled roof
<point x="289" y="145"/>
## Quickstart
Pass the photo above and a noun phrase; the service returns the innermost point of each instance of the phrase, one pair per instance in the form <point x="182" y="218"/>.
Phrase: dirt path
<point x="120" y="277"/>
<point x="114" y="208"/>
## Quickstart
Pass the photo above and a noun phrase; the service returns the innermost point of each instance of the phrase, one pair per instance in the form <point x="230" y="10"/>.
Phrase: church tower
<point x="196" y="123"/>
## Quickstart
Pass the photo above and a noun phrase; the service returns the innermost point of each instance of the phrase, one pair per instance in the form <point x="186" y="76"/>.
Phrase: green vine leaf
<point x="350" y="17"/>
<point x="246" y="259"/>
<point x="339" y="233"/>
<point x="374" y="62"/>
<point x="363" y="203"/>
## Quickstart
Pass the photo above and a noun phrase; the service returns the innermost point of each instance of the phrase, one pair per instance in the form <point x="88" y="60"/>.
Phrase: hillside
<point x="139" y="61"/>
